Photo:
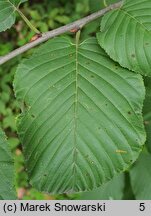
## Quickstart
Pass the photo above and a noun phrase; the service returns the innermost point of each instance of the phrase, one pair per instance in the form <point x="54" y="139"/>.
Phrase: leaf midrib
<point x="75" y="115"/>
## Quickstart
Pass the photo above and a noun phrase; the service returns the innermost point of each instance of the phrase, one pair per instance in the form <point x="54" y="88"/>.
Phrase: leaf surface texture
<point x="126" y="35"/>
<point x="7" y="13"/>
<point x="82" y="116"/>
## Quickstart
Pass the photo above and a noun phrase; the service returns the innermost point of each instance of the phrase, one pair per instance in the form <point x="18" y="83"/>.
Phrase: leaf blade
<point x="70" y="96"/>
<point x="7" y="191"/>
<point x="112" y="190"/>
<point x="125" y="35"/>
<point x="140" y="175"/>
<point x="147" y="112"/>
<point x="7" y="13"/>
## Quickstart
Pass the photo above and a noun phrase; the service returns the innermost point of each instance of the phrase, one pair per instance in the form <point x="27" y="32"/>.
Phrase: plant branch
<point x="45" y="36"/>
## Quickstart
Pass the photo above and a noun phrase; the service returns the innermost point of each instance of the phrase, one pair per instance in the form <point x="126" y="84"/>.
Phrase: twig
<point x="45" y="36"/>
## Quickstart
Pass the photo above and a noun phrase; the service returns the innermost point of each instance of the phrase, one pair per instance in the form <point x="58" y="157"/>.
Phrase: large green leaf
<point x="7" y="190"/>
<point x="141" y="177"/>
<point x="111" y="190"/>
<point x="126" y="35"/>
<point x="147" y="111"/>
<point x="82" y="121"/>
<point x="7" y="13"/>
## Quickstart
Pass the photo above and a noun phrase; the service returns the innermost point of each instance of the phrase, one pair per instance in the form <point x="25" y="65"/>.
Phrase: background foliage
<point x="47" y="15"/>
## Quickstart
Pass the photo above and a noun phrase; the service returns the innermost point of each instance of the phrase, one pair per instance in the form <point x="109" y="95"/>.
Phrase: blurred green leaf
<point x="34" y="194"/>
<point x="96" y="5"/>
<point x="13" y="142"/>
<point x="51" y="24"/>
<point x="42" y="26"/>
<point x="147" y="111"/>
<point x="82" y="7"/>
<point x="9" y="121"/>
<point x="111" y="190"/>
<point x="140" y="175"/>
<point x="2" y="108"/>
<point x="128" y="193"/>
<point x="5" y="48"/>
<point x="7" y="190"/>
<point x="62" y="19"/>
<point x="35" y="15"/>
<point x="53" y="13"/>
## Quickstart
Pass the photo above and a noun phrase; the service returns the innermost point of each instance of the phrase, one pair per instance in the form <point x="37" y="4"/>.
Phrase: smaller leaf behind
<point x="147" y="111"/>
<point x="7" y="13"/>
<point x="140" y="175"/>
<point x="7" y="190"/>
<point x="126" y="35"/>
<point x="112" y="190"/>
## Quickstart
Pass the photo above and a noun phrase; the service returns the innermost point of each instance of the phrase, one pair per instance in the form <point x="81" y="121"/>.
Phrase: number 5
<point x="142" y="206"/>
